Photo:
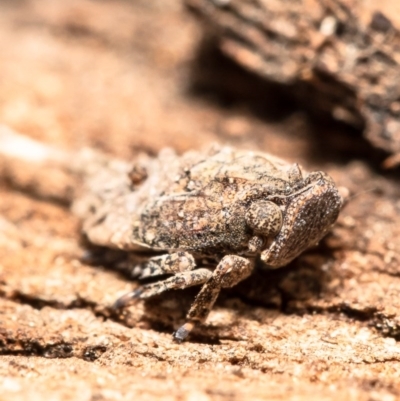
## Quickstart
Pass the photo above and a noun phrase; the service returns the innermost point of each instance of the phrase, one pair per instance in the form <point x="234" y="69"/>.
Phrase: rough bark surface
<point x="341" y="58"/>
<point x="116" y="75"/>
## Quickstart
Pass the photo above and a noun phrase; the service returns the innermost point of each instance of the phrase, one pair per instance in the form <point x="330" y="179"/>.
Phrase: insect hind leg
<point x="159" y="265"/>
<point x="167" y="264"/>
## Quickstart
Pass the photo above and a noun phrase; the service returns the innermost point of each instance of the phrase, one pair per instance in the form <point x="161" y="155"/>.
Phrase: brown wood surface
<point x="118" y="76"/>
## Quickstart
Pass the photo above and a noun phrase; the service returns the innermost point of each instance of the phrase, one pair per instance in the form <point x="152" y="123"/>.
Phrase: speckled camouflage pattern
<point x="229" y="205"/>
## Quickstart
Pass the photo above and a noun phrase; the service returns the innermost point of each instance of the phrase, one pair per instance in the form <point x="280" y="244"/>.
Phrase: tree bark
<point x="340" y="56"/>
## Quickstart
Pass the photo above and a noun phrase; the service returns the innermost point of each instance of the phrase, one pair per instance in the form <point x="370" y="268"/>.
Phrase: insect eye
<point x="264" y="217"/>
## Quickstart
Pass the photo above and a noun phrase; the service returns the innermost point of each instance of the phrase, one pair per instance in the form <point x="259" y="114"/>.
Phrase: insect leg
<point x="165" y="264"/>
<point x="230" y="271"/>
<point x="178" y="281"/>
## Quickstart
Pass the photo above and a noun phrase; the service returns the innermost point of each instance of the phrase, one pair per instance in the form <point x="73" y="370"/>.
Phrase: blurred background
<point x="135" y="75"/>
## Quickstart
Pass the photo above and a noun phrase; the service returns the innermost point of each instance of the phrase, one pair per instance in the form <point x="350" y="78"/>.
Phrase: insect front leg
<point x="180" y="264"/>
<point x="230" y="271"/>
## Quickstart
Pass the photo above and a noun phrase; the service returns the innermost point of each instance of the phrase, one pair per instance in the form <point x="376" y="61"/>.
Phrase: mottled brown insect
<point x="225" y="205"/>
<point x="232" y="205"/>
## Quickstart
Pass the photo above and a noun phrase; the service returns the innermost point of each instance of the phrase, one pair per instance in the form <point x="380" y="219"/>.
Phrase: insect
<point x="231" y="205"/>
<point x="226" y="205"/>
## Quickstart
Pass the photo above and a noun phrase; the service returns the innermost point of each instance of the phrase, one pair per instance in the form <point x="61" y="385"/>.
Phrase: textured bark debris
<point x="246" y="350"/>
<point x="338" y="62"/>
<point x="211" y="214"/>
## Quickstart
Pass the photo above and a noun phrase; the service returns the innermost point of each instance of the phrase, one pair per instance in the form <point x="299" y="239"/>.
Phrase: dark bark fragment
<point x="338" y="60"/>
